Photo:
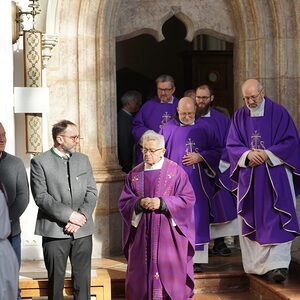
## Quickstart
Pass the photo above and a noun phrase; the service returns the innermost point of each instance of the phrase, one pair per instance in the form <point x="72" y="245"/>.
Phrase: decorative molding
<point x="49" y="41"/>
<point x="33" y="78"/>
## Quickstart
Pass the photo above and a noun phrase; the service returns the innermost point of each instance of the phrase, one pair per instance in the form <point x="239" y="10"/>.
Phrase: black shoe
<point x="221" y="249"/>
<point x="277" y="275"/>
<point x="198" y="268"/>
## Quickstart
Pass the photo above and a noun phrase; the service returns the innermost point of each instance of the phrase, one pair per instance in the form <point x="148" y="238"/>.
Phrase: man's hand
<point x="77" y="218"/>
<point x="257" y="157"/>
<point x="191" y="158"/>
<point x="150" y="203"/>
<point x="71" y="228"/>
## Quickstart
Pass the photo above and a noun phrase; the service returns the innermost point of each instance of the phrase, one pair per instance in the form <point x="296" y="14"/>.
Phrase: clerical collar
<point x="207" y="115"/>
<point x="169" y="102"/>
<point x="258" y="111"/>
<point x="156" y="166"/>
<point x="127" y="112"/>
<point x="61" y="154"/>
<point x="182" y="125"/>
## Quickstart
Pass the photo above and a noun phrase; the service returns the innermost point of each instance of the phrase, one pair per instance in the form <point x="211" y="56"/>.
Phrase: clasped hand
<point x="191" y="158"/>
<point x="257" y="157"/>
<point x="75" y="222"/>
<point x="150" y="203"/>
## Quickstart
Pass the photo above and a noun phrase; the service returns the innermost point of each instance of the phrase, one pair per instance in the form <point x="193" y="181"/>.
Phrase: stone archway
<point x="266" y="38"/>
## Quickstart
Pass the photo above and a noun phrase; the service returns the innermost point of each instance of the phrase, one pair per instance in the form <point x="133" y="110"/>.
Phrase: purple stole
<point x="145" y="246"/>
<point x="265" y="201"/>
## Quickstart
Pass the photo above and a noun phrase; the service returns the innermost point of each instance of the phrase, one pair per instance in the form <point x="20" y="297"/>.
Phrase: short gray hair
<point x="151" y="135"/>
<point x="131" y="95"/>
<point x="165" y="78"/>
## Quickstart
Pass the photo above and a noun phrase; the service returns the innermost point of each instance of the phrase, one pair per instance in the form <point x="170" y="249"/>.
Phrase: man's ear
<point x="212" y="98"/>
<point x="59" y="140"/>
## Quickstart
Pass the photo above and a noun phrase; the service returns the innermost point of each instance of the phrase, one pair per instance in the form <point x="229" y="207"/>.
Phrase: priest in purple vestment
<point x="157" y="209"/>
<point x="195" y="147"/>
<point x="223" y="203"/>
<point x="155" y="112"/>
<point x="263" y="146"/>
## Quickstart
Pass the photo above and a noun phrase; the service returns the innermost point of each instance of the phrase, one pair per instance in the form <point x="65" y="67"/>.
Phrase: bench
<point x="38" y="287"/>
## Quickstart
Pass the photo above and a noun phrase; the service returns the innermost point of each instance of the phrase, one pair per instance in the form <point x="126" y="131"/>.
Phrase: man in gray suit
<point x="65" y="191"/>
<point x="14" y="177"/>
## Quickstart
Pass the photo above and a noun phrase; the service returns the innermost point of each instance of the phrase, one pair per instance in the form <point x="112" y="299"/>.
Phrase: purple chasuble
<point x="265" y="201"/>
<point x="181" y="140"/>
<point x="159" y="254"/>
<point x="223" y="203"/>
<point x="152" y="115"/>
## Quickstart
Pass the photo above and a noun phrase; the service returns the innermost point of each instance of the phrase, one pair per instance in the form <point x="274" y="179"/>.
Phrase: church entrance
<point x="140" y="60"/>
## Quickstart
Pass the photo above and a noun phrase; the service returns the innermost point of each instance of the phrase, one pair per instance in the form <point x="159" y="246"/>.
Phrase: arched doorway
<point x="205" y="59"/>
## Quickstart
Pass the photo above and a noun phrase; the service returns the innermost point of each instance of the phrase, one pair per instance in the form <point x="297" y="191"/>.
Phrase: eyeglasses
<point x="151" y="151"/>
<point x="74" y="138"/>
<point x="205" y="98"/>
<point x="253" y="98"/>
<point x="164" y="90"/>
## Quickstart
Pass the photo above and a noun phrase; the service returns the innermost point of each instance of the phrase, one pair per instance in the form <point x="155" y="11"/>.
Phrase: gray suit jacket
<point x="57" y="199"/>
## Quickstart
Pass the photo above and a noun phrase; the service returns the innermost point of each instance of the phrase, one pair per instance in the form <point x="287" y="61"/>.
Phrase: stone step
<point x="288" y="290"/>
<point x="220" y="282"/>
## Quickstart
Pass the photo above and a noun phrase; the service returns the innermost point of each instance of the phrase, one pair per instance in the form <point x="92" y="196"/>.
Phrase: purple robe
<point x="152" y="115"/>
<point x="181" y="140"/>
<point x="159" y="254"/>
<point x="265" y="201"/>
<point x="223" y="203"/>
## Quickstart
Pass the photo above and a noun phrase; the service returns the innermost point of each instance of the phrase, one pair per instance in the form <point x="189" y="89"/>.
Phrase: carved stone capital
<point x="49" y="41"/>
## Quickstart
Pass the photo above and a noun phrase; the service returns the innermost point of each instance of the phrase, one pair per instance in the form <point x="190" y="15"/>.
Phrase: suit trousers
<point x="56" y="253"/>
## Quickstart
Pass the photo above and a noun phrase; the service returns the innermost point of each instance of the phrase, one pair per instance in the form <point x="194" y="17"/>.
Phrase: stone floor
<point x="214" y="273"/>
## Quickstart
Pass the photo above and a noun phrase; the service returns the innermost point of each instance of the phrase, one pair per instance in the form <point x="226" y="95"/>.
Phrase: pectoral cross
<point x="189" y="148"/>
<point x="255" y="140"/>
<point x="165" y="118"/>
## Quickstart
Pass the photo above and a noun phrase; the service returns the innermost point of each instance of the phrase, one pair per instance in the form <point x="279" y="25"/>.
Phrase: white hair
<point x="151" y="135"/>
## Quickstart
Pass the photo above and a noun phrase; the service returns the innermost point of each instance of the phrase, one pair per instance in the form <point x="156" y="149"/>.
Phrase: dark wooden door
<point x="214" y="68"/>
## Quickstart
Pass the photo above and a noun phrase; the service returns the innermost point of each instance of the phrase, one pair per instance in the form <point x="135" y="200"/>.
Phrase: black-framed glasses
<point x="205" y="98"/>
<point x="151" y="151"/>
<point x="253" y="97"/>
<point x="74" y="138"/>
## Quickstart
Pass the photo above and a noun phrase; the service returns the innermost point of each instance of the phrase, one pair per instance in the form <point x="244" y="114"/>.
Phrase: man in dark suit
<point x="65" y="191"/>
<point x="131" y="102"/>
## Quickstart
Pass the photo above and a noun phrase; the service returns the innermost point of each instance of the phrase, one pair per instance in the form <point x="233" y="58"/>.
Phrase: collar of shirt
<point x="60" y="154"/>
<point x="156" y="166"/>
<point x="207" y="115"/>
<point x="169" y="102"/>
<point x="182" y="125"/>
<point x="127" y="112"/>
<point x="259" y="111"/>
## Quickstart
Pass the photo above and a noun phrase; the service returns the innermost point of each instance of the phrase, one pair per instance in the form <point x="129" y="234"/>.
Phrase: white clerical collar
<point x="207" y="115"/>
<point x="169" y="102"/>
<point x="258" y="111"/>
<point x="127" y="112"/>
<point x="61" y="154"/>
<point x="156" y="166"/>
<point x="182" y="125"/>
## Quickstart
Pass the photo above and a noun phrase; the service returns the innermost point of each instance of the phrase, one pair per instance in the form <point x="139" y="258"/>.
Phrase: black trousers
<point x="56" y="253"/>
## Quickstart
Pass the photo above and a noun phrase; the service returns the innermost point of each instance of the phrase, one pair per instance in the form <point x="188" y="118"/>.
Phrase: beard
<point x="69" y="149"/>
<point x="203" y="110"/>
